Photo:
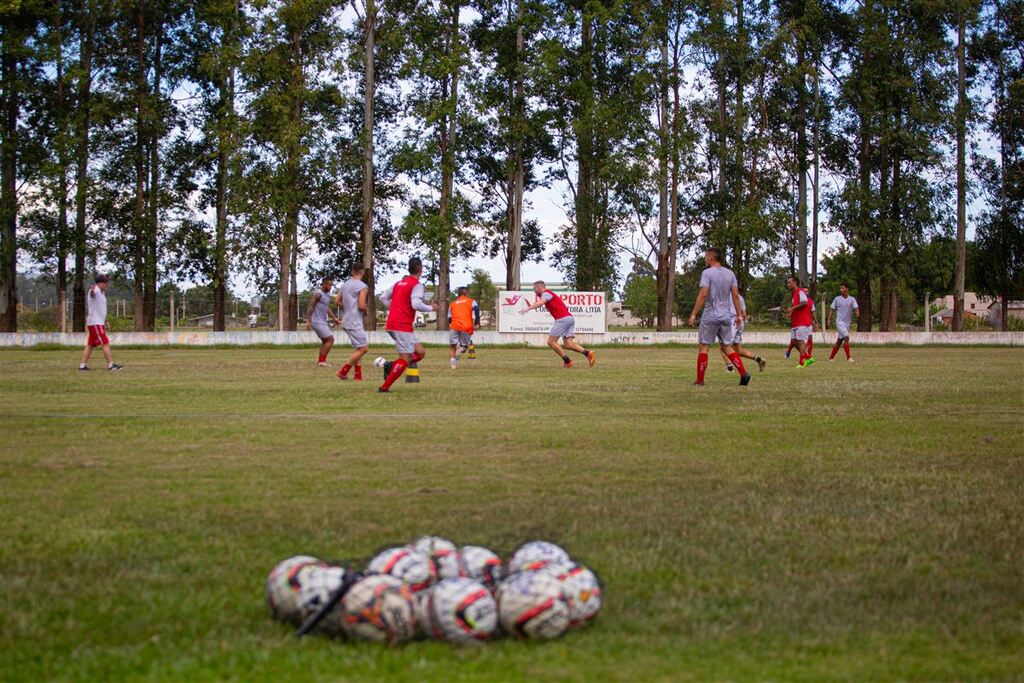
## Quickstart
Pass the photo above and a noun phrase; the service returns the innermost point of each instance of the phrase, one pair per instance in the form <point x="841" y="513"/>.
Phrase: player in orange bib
<point x="463" y="317"/>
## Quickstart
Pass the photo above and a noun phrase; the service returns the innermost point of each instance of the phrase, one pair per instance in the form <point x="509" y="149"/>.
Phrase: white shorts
<point x="737" y="334"/>
<point x="564" y="328"/>
<point x="458" y="338"/>
<point x="322" y="330"/>
<point x="803" y="332"/>
<point x="358" y="337"/>
<point x="405" y="342"/>
<point x="712" y="331"/>
<point x="842" y="331"/>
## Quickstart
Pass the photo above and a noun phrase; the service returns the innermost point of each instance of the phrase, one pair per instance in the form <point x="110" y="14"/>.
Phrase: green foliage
<point x="483" y="290"/>
<point x="640" y="296"/>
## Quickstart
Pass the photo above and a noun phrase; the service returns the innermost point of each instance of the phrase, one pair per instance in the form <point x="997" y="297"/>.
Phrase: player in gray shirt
<point x="719" y="296"/>
<point x="352" y="299"/>
<point x="317" y="313"/>
<point x="844" y="307"/>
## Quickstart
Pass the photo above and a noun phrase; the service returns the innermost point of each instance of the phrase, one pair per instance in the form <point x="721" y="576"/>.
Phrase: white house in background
<point x="973" y="303"/>
<point x="1014" y="309"/>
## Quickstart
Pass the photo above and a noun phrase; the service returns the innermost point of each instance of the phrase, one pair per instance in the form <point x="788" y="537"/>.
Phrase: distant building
<point x="973" y="304"/>
<point x="1014" y="309"/>
<point x="207" y="321"/>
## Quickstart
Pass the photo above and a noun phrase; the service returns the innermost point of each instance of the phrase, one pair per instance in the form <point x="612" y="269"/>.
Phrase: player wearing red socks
<point x="402" y="302"/>
<point x="719" y="289"/>
<point x="802" y="320"/>
<point x="317" y="313"/>
<point x="844" y="308"/>
<point x="352" y="299"/>
<point x="564" y="327"/>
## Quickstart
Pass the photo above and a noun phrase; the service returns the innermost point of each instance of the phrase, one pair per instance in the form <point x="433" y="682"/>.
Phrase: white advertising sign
<point x="589" y="309"/>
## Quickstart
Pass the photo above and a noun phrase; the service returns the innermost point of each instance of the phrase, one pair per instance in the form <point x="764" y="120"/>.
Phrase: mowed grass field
<point x="844" y="522"/>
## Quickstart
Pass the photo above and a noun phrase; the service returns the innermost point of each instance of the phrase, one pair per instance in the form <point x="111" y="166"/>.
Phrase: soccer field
<point x="843" y="522"/>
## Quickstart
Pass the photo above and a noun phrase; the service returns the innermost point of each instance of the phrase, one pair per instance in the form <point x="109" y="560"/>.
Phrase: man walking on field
<point x="352" y="299"/>
<point x="463" y="316"/>
<point x="402" y="302"/>
<point x="737" y="338"/>
<point x="317" y="312"/>
<point x="719" y="289"/>
<point x="96" y="323"/>
<point x="801" y="320"/>
<point x="844" y="307"/>
<point x="564" y="326"/>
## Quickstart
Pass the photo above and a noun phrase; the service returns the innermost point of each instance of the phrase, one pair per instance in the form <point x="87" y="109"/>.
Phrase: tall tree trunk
<point x="84" y="107"/>
<point x="861" y="253"/>
<point x="449" y="130"/>
<point x="61" y="279"/>
<point x="289" y="233"/>
<point x="961" y="179"/>
<point x="293" y="285"/>
<point x="153" y="221"/>
<point x="584" y="204"/>
<point x="721" y="77"/>
<point x="664" y="300"/>
<point x="139" y="227"/>
<point x="369" y="89"/>
<point x="815" y="185"/>
<point x="513" y="264"/>
<point x="8" y="185"/>
<point x="673" y="238"/>
<point x="738" y="196"/>
<point x="225" y="113"/>
<point x="801" y="163"/>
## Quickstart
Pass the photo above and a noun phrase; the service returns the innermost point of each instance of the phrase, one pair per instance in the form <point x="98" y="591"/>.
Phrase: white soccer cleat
<point x="453" y="362"/>
<point x="849" y="360"/>
<point x="323" y="365"/>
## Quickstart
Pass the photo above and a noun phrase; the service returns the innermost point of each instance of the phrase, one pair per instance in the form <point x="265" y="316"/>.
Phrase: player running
<point x="352" y="299"/>
<point x="402" y="302"/>
<point x="718" y="287"/>
<point x="800" y="319"/>
<point x="463" y="316"/>
<point x="96" y="323"/>
<point x="810" y="337"/>
<point x="564" y="326"/>
<point x="317" y="313"/>
<point x="737" y="338"/>
<point x="844" y="307"/>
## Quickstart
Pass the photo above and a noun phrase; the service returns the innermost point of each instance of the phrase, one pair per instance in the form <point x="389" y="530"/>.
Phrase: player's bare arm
<point x="699" y="304"/>
<point x="739" y="307"/>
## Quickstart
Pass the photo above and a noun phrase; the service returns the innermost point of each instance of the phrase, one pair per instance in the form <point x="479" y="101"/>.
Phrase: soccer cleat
<point x="761" y="362"/>
<point x="729" y="367"/>
<point x="809" y="361"/>
<point x="849" y="360"/>
<point x="323" y="364"/>
<point x="566" y="366"/>
<point x="831" y="359"/>
<point x="382" y="390"/>
<point x="83" y="369"/>
<point x="114" y="367"/>
<point x="591" y="358"/>
<point x="387" y="369"/>
<point x="745" y="380"/>
<point x="787" y="355"/>
<point x="340" y="375"/>
<point x="698" y="384"/>
<point x="453" y="363"/>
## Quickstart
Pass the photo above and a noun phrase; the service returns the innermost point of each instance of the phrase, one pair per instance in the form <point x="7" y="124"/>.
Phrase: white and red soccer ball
<point x="458" y="610"/>
<point x="379" y="608"/>
<point x="532" y="604"/>
<point x="284" y="584"/>
<point x="472" y="562"/>
<point x="411" y="566"/>
<point x="537" y="555"/>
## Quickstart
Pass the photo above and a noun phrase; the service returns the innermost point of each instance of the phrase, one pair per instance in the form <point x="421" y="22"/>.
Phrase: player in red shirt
<point x="801" y="319"/>
<point x="402" y="302"/>
<point x="564" y="326"/>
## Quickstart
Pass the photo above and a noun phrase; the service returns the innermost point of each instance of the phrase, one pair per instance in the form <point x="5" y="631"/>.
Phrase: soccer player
<point x="352" y="299"/>
<point x="317" y="312"/>
<point x="463" y="316"/>
<point x="800" y="319"/>
<point x="718" y="288"/>
<point x="810" y="337"/>
<point x="844" y="307"/>
<point x="402" y="302"/>
<point x="564" y="327"/>
<point x="96" y="323"/>
<point x="737" y="338"/>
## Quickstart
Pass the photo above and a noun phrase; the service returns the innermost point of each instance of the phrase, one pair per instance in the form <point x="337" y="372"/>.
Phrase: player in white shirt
<point x="844" y="308"/>
<point x="737" y="338"/>
<point x="96" y="323"/>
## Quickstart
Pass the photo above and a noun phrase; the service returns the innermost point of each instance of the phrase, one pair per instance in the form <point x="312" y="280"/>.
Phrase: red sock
<point x="846" y="348"/>
<point x="323" y="358"/>
<point x="702" y="365"/>
<point x="803" y="357"/>
<point x="344" y="370"/>
<point x="832" y="354"/>
<point x="810" y="346"/>
<point x="397" y="368"/>
<point x="738" y="362"/>
<point x="359" y="372"/>
<point x="417" y="357"/>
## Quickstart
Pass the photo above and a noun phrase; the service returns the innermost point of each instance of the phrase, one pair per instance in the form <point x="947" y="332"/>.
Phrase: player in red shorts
<point x="402" y="302"/>
<point x="96" y="323"/>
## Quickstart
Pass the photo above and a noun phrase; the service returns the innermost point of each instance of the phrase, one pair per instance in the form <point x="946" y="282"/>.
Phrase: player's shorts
<point x="563" y="328"/>
<point x="405" y="342"/>
<point x="358" y="337"/>
<point x="458" y="338"/>
<point x="98" y="335"/>
<point x="737" y="334"/>
<point x="322" y="330"/>
<point x="802" y="333"/>
<point x="842" y="331"/>
<point x="712" y="331"/>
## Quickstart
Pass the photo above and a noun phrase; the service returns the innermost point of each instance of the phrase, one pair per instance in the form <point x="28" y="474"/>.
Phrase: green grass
<point x="843" y="522"/>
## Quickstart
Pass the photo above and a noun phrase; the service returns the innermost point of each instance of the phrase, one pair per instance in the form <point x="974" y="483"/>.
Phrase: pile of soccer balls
<point x="431" y="587"/>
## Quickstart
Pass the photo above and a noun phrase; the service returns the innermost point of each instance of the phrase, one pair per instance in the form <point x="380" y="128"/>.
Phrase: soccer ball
<point x="533" y="605"/>
<point x="411" y="566"/>
<point x="433" y="547"/>
<point x="380" y="608"/>
<point x="472" y="562"/>
<point x="283" y="585"/>
<point x="458" y="610"/>
<point x="582" y="590"/>
<point x="537" y="555"/>
<point x="379" y="362"/>
<point x="318" y="586"/>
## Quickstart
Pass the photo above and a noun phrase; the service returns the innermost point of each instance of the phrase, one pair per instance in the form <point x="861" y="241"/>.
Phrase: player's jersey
<point x="556" y="307"/>
<point x="351" y="316"/>
<point x="844" y="309"/>
<point x="720" y="281"/>
<point x="401" y="309"/>
<point x="803" y="317"/>
<point x="96" y="303"/>
<point x="462" y="312"/>
<point x="319" y="314"/>
<point x="732" y="307"/>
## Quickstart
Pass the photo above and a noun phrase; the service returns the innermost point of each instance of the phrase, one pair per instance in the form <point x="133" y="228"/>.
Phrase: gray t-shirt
<point x="720" y="281"/>
<point x="844" y="309"/>
<point x="351" y="316"/>
<point x="321" y="306"/>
